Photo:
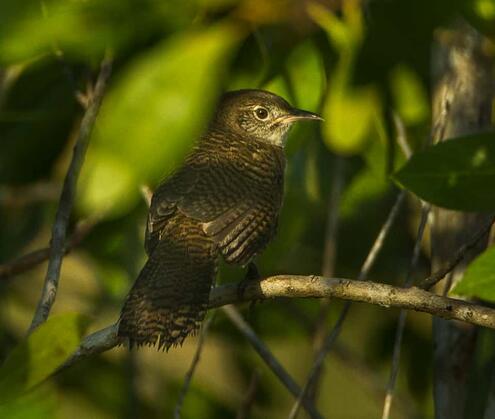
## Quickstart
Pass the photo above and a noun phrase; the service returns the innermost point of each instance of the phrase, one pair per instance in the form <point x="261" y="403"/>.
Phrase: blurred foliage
<point x="456" y="174"/>
<point x="44" y="350"/>
<point x="356" y="62"/>
<point x="181" y="76"/>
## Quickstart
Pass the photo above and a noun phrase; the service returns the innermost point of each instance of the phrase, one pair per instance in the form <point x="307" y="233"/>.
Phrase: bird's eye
<point x="261" y="113"/>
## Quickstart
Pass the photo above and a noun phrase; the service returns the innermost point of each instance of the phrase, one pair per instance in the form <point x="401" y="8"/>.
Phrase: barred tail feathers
<point x="170" y="296"/>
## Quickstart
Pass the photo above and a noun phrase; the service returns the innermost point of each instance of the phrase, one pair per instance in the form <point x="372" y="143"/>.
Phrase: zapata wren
<point x="225" y="200"/>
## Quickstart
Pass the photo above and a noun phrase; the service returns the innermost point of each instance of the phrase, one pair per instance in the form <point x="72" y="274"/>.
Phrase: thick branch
<point x="295" y="286"/>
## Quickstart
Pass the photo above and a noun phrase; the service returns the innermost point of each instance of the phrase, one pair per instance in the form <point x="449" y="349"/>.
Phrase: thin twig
<point x="328" y="264"/>
<point x="187" y="380"/>
<point x="459" y="256"/>
<point x="331" y="232"/>
<point x="354" y="363"/>
<point x="31" y="260"/>
<point x="147" y="194"/>
<point x="363" y="274"/>
<point x="8" y="77"/>
<point x="394" y="371"/>
<point x="248" y="400"/>
<point x="59" y="231"/>
<point x="18" y="196"/>
<point x="380" y="239"/>
<point x="270" y="360"/>
<point x="490" y="403"/>
<point x="372" y="378"/>
<point x="401" y="135"/>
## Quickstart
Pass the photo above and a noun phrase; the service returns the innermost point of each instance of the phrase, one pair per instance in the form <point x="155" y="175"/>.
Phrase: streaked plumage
<point x="225" y="200"/>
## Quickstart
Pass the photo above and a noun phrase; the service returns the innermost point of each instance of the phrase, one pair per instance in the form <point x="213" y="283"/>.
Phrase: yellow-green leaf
<point x="153" y="115"/>
<point x="349" y="118"/>
<point x="479" y="279"/>
<point x="43" y="351"/>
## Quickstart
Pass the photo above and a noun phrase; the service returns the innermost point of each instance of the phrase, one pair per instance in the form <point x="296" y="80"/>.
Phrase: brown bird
<point x="225" y="200"/>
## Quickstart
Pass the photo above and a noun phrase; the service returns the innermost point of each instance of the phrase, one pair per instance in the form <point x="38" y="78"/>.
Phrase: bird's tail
<point x="170" y="296"/>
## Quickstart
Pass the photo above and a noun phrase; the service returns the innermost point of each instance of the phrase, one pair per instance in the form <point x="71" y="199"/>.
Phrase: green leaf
<point x="83" y="29"/>
<point x="39" y="403"/>
<point x="307" y="75"/>
<point x="44" y="350"/>
<point x="457" y="174"/>
<point x="479" y="278"/>
<point x="153" y="115"/>
<point x="349" y="111"/>
<point x="410" y="96"/>
<point x="349" y="114"/>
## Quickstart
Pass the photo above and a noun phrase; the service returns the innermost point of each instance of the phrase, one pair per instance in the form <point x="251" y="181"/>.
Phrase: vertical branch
<point x="272" y="362"/>
<point x="8" y="77"/>
<point x="59" y="230"/>
<point x="490" y="405"/>
<point x="192" y="368"/>
<point x="328" y="263"/>
<point x="363" y="274"/>
<point x="461" y="105"/>
<point x="425" y="211"/>
<point x="132" y="399"/>
<point x="331" y="232"/>
<point x="247" y="403"/>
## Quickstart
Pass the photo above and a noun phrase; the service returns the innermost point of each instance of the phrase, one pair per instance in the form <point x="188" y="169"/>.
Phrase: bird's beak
<point x="298" y="114"/>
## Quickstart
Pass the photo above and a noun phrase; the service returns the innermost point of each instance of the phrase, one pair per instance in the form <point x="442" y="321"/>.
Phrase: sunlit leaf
<point x="83" y="28"/>
<point x="457" y="174"/>
<point x="411" y="99"/>
<point x="370" y="184"/>
<point x="347" y="33"/>
<point x="348" y="110"/>
<point x="307" y="76"/>
<point x="349" y="117"/>
<point x="364" y="187"/>
<point x="153" y="115"/>
<point x="479" y="278"/>
<point x="34" y="359"/>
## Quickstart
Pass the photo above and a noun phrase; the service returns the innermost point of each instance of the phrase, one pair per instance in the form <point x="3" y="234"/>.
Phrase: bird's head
<point x="258" y="114"/>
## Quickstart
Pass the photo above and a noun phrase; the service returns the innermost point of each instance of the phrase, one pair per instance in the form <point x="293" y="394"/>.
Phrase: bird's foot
<point x="252" y="275"/>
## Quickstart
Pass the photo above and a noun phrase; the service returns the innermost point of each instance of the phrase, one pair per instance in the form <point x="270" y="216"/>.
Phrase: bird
<point x="222" y="202"/>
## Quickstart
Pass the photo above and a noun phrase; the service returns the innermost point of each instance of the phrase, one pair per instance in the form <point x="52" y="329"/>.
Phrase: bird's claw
<point x="252" y="274"/>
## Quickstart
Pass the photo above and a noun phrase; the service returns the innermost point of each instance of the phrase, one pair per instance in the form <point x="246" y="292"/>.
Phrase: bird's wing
<point x="244" y="231"/>
<point x="198" y="190"/>
<point x="240" y="216"/>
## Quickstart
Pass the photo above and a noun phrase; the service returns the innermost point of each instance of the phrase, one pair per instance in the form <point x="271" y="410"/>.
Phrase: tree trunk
<point x="461" y="105"/>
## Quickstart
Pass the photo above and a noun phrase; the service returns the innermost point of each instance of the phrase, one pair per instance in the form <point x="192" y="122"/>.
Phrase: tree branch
<point x="31" y="260"/>
<point x="59" y="230"/>
<point x="401" y="324"/>
<point x="296" y="286"/>
<point x="194" y="363"/>
<point x="272" y="362"/>
<point x="332" y="336"/>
